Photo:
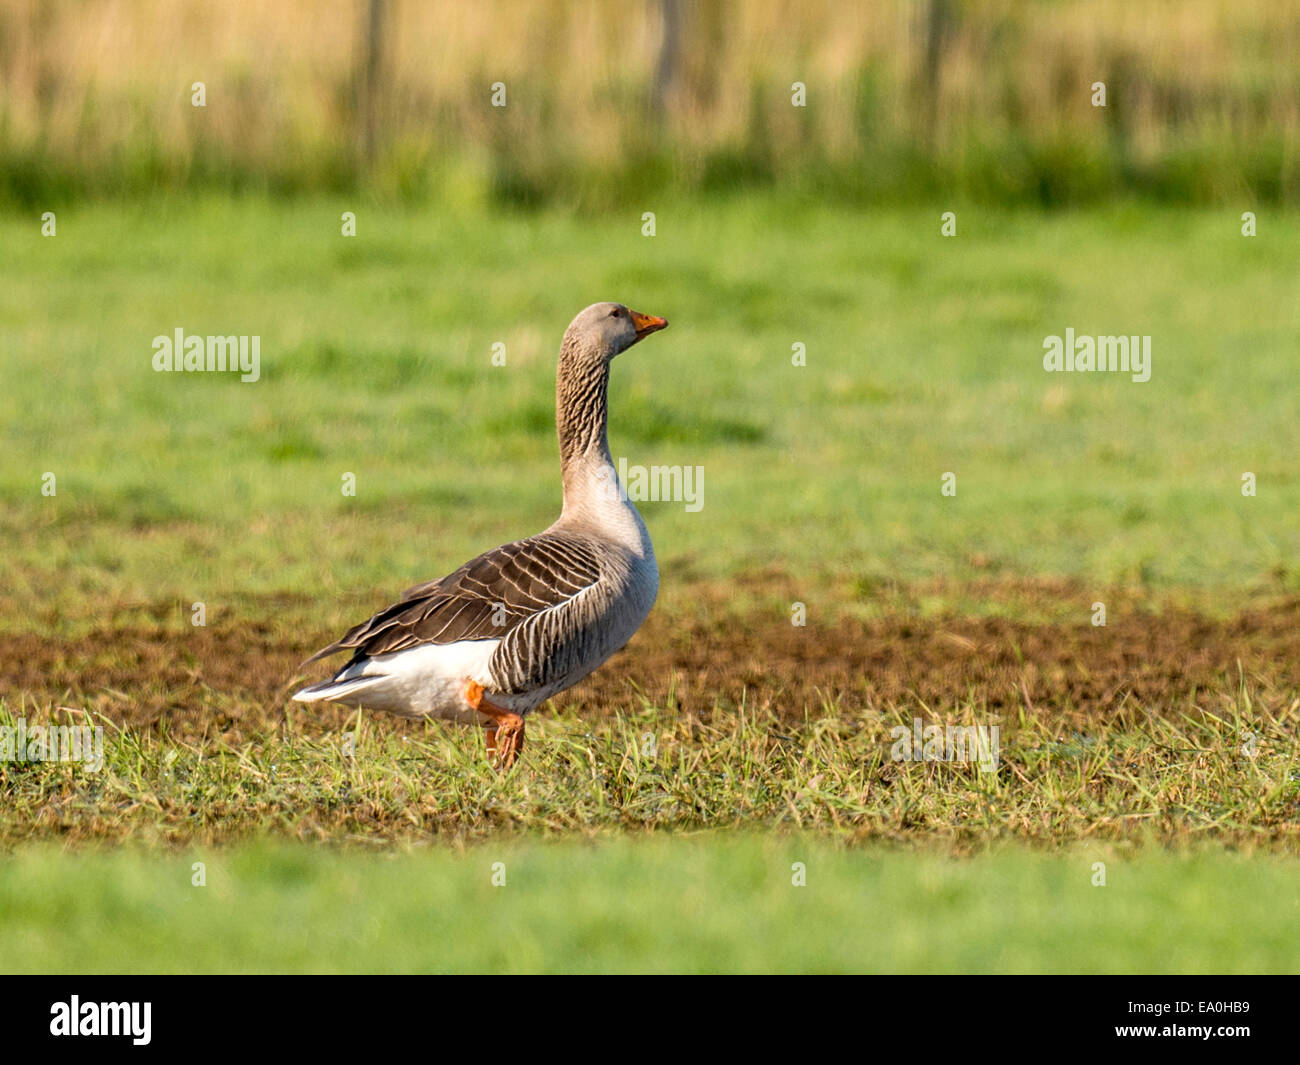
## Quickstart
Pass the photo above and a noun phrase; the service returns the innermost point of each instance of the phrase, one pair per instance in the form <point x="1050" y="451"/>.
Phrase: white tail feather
<point x="331" y="690"/>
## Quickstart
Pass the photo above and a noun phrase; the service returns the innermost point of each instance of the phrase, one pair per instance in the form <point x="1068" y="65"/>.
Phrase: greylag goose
<point x="525" y="621"/>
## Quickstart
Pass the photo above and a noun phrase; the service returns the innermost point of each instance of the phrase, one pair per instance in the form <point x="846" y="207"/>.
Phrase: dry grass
<point x="1140" y="778"/>
<point x="1203" y="99"/>
<point x="1170" y="728"/>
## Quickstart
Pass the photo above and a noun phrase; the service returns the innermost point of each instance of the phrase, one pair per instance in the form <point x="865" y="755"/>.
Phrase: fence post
<point x="370" y="77"/>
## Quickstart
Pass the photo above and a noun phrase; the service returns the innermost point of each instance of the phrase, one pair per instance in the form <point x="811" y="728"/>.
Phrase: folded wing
<point x="485" y="599"/>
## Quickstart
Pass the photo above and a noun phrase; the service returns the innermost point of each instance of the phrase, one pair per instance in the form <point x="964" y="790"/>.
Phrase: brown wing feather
<point x="483" y="600"/>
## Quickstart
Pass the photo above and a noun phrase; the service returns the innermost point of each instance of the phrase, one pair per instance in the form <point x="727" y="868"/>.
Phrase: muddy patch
<point x="235" y="675"/>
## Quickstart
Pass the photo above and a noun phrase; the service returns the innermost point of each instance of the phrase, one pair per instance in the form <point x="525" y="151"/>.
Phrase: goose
<point x="527" y="620"/>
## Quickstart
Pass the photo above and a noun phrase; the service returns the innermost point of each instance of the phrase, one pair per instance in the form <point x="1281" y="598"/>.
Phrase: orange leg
<point x="505" y="736"/>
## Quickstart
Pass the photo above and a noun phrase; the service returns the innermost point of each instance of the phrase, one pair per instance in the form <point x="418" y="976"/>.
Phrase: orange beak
<point x="647" y="323"/>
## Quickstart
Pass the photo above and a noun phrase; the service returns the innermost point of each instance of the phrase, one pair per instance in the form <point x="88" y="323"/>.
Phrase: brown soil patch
<point x="235" y="675"/>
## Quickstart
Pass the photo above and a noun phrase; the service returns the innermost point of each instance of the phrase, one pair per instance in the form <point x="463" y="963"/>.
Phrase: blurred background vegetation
<point x="608" y="102"/>
<point x="777" y="224"/>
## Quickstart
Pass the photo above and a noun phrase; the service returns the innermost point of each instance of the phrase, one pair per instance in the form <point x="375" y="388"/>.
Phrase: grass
<point x="1229" y="774"/>
<point x="822" y="486"/>
<point x="699" y="904"/>
<point x="924" y="357"/>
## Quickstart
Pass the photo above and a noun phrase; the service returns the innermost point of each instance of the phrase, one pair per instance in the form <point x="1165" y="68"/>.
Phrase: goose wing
<point x="485" y="599"/>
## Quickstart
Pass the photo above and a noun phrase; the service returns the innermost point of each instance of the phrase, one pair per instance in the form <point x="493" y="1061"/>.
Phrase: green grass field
<point x="821" y="485"/>
<point x="924" y="356"/>
<point x="695" y="904"/>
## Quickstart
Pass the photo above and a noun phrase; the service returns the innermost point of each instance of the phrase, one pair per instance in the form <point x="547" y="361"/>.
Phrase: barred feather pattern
<point x="485" y="599"/>
<point x="557" y="646"/>
<point x="581" y="401"/>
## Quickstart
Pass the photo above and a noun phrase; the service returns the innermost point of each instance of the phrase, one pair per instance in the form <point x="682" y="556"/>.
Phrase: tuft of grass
<point x="1225" y="771"/>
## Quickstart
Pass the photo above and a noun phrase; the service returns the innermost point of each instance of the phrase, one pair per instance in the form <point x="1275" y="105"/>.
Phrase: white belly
<point x="424" y="681"/>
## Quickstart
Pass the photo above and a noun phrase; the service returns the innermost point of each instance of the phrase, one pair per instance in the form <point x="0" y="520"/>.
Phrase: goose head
<point x="604" y="330"/>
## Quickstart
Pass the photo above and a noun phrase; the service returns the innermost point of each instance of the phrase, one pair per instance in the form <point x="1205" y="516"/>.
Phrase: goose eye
<point x="616" y="313"/>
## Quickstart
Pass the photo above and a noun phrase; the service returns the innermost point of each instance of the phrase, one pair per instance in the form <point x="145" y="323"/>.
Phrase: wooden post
<point x="370" y="78"/>
<point x="666" y="67"/>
